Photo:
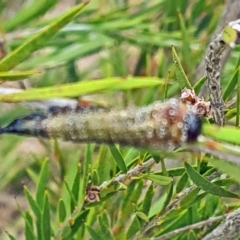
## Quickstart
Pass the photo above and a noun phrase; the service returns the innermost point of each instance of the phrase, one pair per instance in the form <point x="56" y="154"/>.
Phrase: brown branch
<point x="229" y="229"/>
<point x="187" y="228"/>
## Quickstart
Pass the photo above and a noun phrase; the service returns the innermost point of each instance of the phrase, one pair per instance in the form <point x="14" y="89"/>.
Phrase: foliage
<point x="129" y="46"/>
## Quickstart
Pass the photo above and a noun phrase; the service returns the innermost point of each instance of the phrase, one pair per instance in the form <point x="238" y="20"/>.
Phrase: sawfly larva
<point x="160" y="125"/>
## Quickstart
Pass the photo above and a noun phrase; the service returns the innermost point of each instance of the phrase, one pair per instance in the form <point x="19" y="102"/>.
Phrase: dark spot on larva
<point x="193" y="126"/>
<point x="213" y="87"/>
<point x="216" y="60"/>
<point x="208" y="69"/>
<point x="222" y="42"/>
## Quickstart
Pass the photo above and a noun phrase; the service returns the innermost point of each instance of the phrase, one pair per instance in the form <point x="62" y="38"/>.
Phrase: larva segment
<point x="161" y="125"/>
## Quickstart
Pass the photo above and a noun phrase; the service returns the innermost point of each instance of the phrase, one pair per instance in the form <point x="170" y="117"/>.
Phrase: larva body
<point x="161" y="125"/>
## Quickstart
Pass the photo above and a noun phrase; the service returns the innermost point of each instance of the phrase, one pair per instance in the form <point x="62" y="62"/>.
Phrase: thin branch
<point x="174" y="204"/>
<point x="189" y="227"/>
<point x="132" y="172"/>
<point x="229" y="229"/>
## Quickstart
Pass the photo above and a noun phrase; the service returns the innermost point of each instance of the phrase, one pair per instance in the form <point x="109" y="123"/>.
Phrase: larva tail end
<point x="27" y="125"/>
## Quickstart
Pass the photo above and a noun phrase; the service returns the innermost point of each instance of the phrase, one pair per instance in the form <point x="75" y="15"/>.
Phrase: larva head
<point x="175" y="122"/>
<point x="192" y="126"/>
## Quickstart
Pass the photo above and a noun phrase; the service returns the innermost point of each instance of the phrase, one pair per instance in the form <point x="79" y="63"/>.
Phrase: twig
<point x="189" y="227"/>
<point x="174" y="204"/>
<point x="229" y="229"/>
<point x="132" y="172"/>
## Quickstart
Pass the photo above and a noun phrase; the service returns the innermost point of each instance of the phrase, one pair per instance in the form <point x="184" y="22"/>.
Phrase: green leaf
<point x="101" y="161"/>
<point x="36" y="209"/>
<point x="192" y="236"/>
<point x="38" y="40"/>
<point x="189" y="198"/>
<point x="168" y="197"/>
<point x="95" y="177"/>
<point x="198" y="85"/>
<point x="81" y="88"/>
<point x="158" y="179"/>
<point x="181" y="183"/>
<point x="147" y="201"/>
<point x="10" y="236"/>
<point x="118" y="158"/>
<point x="70" y="193"/>
<point x="75" y="188"/>
<point x="206" y="185"/>
<point x="227" y="167"/>
<point x="133" y="228"/>
<point x="66" y="232"/>
<point x="238" y="100"/>
<point x="42" y="182"/>
<point x="142" y="216"/>
<point x="18" y="75"/>
<point x="33" y="204"/>
<point x="226" y="134"/>
<point x="231" y="85"/>
<point x="105" y="231"/>
<point x="29" y="230"/>
<point x="46" y="219"/>
<point x="79" y="221"/>
<point x="180" y="74"/>
<point x="85" y="172"/>
<point x="94" y="235"/>
<point x="26" y="14"/>
<point x="104" y="219"/>
<point x="61" y="211"/>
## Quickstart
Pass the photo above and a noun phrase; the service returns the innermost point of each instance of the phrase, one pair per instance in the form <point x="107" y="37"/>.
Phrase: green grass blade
<point x="118" y="158"/>
<point x="13" y="76"/>
<point x="133" y="228"/>
<point x="29" y="230"/>
<point x="147" y="201"/>
<point x="94" y="235"/>
<point x="105" y="231"/>
<point x="79" y="221"/>
<point x="62" y="213"/>
<point x="206" y="185"/>
<point x="231" y="85"/>
<point x="158" y="179"/>
<point x="46" y="218"/>
<point x="38" y="40"/>
<point x="226" y="134"/>
<point x="227" y="167"/>
<point x="11" y="237"/>
<point x="182" y="181"/>
<point x="189" y="198"/>
<point x="75" y="188"/>
<point x="42" y="182"/>
<point x="31" y="11"/>
<point x="198" y="85"/>
<point x="33" y="204"/>
<point x="82" y="88"/>
<point x="238" y="99"/>
<point x="180" y="74"/>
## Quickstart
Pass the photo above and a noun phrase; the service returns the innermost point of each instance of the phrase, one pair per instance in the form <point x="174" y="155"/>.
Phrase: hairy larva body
<point x="161" y="125"/>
